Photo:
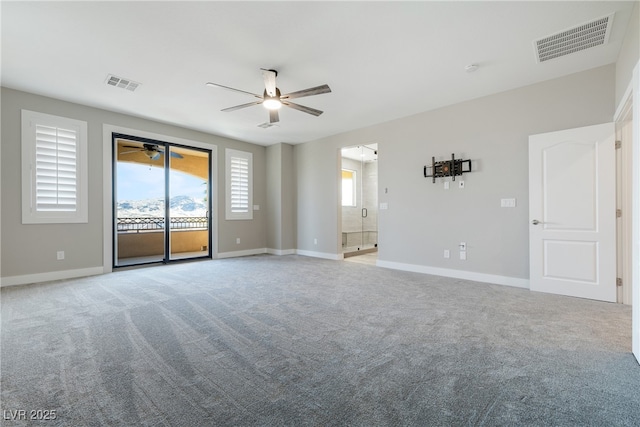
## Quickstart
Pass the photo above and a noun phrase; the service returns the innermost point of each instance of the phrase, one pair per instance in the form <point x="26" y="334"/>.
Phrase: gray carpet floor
<point x="297" y="341"/>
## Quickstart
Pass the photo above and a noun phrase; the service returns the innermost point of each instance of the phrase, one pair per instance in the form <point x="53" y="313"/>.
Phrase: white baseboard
<point x="457" y="274"/>
<point x="47" y="277"/>
<point x="281" y="251"/>
<point x="247" y="252"/>
<point x="335" y="257"/>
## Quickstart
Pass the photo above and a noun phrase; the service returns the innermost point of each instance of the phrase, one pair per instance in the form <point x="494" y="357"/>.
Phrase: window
<point x="54" y="169"/>
<point x="348" y="187"/>
<point x="239" y="170"/>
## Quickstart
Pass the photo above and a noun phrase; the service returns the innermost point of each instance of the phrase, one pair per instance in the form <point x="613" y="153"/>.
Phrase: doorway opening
<point x="359" y="200"/>
<point x="161" y="201"/>
<point x="624" y="198"/>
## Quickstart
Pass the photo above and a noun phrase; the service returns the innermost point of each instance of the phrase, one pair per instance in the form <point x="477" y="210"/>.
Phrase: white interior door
<point x="572" y="212"/>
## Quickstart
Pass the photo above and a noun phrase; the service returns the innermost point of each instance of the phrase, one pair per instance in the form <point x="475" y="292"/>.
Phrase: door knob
<point x="535" y="222"/>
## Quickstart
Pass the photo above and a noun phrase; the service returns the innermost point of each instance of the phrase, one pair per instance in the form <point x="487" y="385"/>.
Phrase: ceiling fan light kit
<point x="153" y="155"/>
<point x="272" y="104"/>
<point x="273" y="100"/>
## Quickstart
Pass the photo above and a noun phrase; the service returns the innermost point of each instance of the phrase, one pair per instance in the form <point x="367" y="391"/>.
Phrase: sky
<point x="137" y="181"/>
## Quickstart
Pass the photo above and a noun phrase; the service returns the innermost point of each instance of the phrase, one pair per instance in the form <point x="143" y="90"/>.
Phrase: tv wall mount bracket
<point x="446" y="168"/>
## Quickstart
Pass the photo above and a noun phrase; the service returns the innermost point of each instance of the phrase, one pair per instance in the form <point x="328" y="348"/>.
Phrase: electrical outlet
<point x="60" y="255"/>
<point x="463" y="255"/>
<point x="447" y="254"/>
<point x="237" y="240"/>
<point x="315" y="241"/>
<point x="460" y="184"/>
<point x="446" y="185"/>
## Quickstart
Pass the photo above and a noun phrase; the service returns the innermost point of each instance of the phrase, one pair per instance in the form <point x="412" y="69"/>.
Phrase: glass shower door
<point x="359" y="199"/>
<point x="369" y="197"/>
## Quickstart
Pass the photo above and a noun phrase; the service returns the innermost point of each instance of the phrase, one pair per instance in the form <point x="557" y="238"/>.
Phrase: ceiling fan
<point x="152" y="151"/>
<point x="272" y="99"/>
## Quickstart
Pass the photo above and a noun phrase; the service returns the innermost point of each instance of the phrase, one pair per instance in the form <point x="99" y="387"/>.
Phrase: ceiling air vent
<point x="585" y="36"/>
<point x="122" y="83"/>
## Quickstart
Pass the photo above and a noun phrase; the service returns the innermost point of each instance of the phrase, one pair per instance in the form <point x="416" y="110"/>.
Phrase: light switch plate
<point x="507" y="203"/>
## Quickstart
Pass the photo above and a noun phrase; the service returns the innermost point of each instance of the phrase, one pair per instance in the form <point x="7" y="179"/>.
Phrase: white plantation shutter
<point x="239" y="171"/>
<point x="54" y="169"/>
<point x="239" y="185"/>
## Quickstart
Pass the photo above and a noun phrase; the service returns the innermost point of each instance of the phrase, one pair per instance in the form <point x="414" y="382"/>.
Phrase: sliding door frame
<point x="167" y="258"/>
<point x="107" y="193"/>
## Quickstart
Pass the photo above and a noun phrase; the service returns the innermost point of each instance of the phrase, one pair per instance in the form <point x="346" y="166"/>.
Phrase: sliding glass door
<point x="161" y="201"/>
<point x="189" y="180"/>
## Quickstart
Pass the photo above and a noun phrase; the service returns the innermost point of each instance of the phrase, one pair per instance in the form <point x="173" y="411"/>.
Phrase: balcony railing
<point x="175" y="223"/>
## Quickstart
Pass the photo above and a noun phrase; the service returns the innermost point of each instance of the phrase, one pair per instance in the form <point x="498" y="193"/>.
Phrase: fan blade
<point x="237" y="107"/>
<point x="132" y="146"/>
<point x="235" y="90"/>
<point x="176" y="155"/>
<point x="318" y="90"/>
<point x="133" y="151"/>
<point x="302" y="108"/>
<point x="274" y="116"/>
<point x="269" y="77"/>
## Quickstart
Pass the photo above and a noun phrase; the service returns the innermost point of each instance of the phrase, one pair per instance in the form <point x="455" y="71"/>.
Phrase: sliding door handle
<point x="364" y="212"/>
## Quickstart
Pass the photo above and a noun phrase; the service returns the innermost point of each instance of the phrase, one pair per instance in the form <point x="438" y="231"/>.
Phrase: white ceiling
<point x="382" y="60"/>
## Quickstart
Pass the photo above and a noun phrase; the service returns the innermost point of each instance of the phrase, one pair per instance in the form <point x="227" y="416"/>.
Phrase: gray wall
<point x="629" y="54"/>
<point x="274" y="196"/>
<point x="31" y="249"/>
<point x="318" y="202"/>
<point x="289" y="215"/>
<point x="280" y="198"/>
<point x="422" y="218"/>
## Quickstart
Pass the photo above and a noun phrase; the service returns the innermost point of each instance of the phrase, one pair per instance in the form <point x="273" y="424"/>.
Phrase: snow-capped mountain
<point x="180" y="206"/>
